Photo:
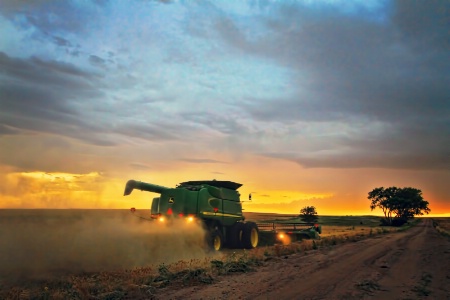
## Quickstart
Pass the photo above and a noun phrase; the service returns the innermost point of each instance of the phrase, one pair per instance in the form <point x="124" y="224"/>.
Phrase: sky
<point x="305" y="103"/>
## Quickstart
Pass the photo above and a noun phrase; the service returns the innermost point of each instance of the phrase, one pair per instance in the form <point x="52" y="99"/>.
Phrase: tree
<point x="398" y="204"/>
<point x="308" y="214"/>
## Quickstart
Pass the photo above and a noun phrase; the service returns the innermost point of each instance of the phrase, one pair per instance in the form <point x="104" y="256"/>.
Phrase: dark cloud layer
<point x="357" y="67"/>
<point x="48" y="96"/>
<point x="59" y="98"/>
<point x="383" y="75"/>
<point x="202" y="161"/>
<point x="48" y="16"/>
<point x="393" y="70"/>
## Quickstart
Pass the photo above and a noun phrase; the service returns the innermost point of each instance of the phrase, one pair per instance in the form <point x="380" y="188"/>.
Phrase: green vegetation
<point x="371" y="221"/>
<point x="186" y="277"/>
<point x="368" y="286"/>
<point x="235" y="264"/>
<point x="398" y="204"/>
<point x="409" y="225"/>
<point x="422" y="288"/>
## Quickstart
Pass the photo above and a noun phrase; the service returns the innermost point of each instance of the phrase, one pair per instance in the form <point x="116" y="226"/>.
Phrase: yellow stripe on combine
<point x="208" y="213"/>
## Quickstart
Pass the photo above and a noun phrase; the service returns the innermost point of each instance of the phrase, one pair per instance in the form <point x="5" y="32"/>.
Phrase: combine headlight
<point x="161" y="219"/>
<point x="190" y="219"/>
<point x="284" y="238"/>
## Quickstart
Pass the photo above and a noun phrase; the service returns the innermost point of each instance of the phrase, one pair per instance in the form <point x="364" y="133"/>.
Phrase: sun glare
<point x="52" y="190"/>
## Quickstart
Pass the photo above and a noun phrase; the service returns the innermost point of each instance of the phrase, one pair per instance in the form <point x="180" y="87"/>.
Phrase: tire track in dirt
<point x="403" y="266"/>
<point x="422" y="269"/>
<point x="351" y="265"/>
<point x="390" y="266"/>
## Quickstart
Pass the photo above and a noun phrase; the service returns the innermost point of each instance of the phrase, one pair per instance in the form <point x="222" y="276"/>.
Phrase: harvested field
<point x="410" y="264"/>
<point x="350" y="261"/>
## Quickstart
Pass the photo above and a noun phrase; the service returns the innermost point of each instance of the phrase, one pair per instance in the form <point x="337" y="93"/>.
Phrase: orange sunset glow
<point x="284" y="191"/>
<point x="305" y="104"/>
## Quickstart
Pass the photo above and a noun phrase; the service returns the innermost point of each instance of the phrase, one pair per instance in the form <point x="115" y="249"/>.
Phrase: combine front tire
<point x="216" y="240"/>
<point x="250" y="235"/>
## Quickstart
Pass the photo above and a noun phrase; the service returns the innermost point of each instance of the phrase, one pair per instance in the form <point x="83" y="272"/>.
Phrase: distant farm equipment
<point x="217" y="206"/>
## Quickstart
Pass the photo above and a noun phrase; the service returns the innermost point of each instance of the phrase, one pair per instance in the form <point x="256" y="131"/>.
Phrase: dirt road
<point x="414" y="264"/>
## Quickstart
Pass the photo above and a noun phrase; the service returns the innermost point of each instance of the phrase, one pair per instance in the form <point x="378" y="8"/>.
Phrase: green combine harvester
<point x="217" y="205"/>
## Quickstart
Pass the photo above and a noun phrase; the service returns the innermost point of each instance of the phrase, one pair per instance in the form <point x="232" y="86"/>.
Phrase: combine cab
<point x="214" y="203"/>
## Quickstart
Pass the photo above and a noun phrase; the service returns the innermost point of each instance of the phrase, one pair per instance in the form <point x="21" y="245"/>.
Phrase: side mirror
<point x="250" y="197"/>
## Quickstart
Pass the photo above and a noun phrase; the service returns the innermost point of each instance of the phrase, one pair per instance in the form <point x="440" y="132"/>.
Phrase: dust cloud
<point x="47" y="243"/>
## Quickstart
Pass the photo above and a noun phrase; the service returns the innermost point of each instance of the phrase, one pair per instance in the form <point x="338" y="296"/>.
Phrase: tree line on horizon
<point x="398" y="205"/>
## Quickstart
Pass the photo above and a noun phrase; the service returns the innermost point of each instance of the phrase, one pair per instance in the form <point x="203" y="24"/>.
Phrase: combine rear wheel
<point x="250" y="235"/>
